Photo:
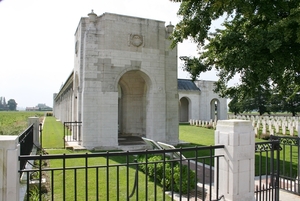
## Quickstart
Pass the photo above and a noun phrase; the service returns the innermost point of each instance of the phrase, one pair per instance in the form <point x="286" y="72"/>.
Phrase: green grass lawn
<point x="97" y="175"/>
<point x="198" y="136"/>
<point x="15" y="122"/>
<point x="53" y="133"/>
<point x="53" y="142"/>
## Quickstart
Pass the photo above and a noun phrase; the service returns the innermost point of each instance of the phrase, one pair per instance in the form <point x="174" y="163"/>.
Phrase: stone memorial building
<point x="124" y="83"/>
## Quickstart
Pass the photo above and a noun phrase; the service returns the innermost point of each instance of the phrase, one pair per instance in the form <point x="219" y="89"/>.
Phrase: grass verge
<point x="53" y="133"/>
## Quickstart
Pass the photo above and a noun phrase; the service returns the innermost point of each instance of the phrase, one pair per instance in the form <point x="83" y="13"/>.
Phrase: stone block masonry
<point x="236" y="176"/>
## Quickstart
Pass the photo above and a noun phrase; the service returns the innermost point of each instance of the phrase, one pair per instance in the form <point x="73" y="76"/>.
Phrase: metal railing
<point x="289" y="163"/>
<point x="267" y="168"/>
<point x="72" y="132"/>
<point x="136" y="175"/>
<point x="26" y="143"/>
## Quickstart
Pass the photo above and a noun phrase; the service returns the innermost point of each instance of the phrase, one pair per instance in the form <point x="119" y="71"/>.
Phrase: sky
<point x="37" y="42"/>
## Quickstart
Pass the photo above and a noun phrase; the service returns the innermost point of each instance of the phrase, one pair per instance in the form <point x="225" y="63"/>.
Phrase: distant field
<point x="15" y="122"/>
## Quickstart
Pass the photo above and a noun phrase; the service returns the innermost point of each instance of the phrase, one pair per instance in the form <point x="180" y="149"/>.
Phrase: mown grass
<point x="53" y="142"/>
<point x="199" y="136"/>
<point x="196" y="136"/>
<point x="15" y="122"/>
<point x="191" y="135"/>
<point x="53" y="133"/>
<point x="75" y="181"/>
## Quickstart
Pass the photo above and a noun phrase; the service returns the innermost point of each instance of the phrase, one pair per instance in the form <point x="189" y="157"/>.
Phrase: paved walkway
<point x="286" y="196"/>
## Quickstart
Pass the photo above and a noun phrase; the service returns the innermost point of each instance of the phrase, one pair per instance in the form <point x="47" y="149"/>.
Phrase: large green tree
<point x="12" y="105"/>
<point x="260" y="102"/>
<point x="260" y="40"/>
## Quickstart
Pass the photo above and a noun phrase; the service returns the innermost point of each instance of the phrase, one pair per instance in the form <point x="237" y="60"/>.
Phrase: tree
<point x="260" y="41"/>
<point x="12" y="105"/>
<point x="235" y="106"/>
<point x="3" y="105"/>
<point x="286" y="100"/>
<point x="258" y="101"/>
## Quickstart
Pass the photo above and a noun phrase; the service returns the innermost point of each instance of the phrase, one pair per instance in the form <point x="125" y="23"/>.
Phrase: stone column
<point x="9" y="177"/>
<point x="236" y="176"/>
<point x="36" y="133"/>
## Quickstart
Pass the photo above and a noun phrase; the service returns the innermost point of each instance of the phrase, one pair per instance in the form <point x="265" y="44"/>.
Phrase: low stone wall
<point x="9" y="155"/>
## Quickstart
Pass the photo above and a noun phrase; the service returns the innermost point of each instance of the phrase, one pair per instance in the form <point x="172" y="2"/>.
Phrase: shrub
<point x="49" y="114"/>
<point x="170" y="175"/>
<point x="188" y="177"/>
<point x="264" y="136"/>
<point x="34" y="194"/>
<point x="209" y="126"/>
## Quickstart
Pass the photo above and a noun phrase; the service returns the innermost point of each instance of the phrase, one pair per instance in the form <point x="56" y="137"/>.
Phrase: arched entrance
<point x="215" y="109"/>
<point x="132" y="103"/>
<point x="184" y="110"/>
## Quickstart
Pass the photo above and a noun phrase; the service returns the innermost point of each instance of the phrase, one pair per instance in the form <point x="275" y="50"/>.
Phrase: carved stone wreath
<point x="136" y="40"/>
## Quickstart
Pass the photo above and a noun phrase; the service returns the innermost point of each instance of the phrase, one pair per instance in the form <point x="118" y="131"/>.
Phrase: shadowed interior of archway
<point x="132" y="106"/>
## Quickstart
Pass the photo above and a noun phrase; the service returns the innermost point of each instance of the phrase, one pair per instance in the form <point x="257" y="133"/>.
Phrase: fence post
<point x="36" y="134"/>
<point x="236" y="176"/>
<point x="9" y="177"/>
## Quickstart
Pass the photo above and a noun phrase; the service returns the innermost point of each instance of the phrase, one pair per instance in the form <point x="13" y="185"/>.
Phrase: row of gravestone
<point x="284" y="125"/>
<point x="206" y="124"/>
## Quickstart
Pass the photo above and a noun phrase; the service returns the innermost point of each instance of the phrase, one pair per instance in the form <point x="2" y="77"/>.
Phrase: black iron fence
<point x="72" y="132"/>
<point x="289" y="163"/>
<point x="267" y="169"/>
<point x="137" y="175"/>
<point x="26" y="143"/>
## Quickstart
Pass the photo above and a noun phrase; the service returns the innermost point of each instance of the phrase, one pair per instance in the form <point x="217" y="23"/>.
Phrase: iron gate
<point x="289" y="163"/>
<point x="72" y="132"/>
<point x="267" y="160"/>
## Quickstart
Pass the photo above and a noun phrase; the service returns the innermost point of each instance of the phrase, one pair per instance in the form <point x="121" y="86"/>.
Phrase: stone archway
<point x="215" y="109"/>
<point x="132" y="103"/>
<point x="184" y="110"/>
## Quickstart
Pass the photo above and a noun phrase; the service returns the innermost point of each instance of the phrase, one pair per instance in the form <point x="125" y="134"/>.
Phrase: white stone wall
<point x="206" y="96"/>
<point x="194" y="102"/>
<point x="106" y="51"/>
<point x="125" y="83"/>
<point x="200" y="107"/>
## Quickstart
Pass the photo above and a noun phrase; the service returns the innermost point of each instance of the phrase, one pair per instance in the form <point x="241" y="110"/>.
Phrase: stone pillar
<point x="236" y="176"/>
<point x="9" y="177"/>
<point x="36" y="133"/>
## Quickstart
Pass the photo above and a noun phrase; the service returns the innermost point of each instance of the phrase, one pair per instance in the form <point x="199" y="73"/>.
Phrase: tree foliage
<point x="3" y="105"/>
<point x="266" y="101"/>
<point x="12" y="105"/>
<point x="260" y="41"/>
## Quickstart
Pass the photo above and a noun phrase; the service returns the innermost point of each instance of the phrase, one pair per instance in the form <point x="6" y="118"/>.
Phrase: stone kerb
<point x="9" y="177"/>
<point x="236" y="176"/>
